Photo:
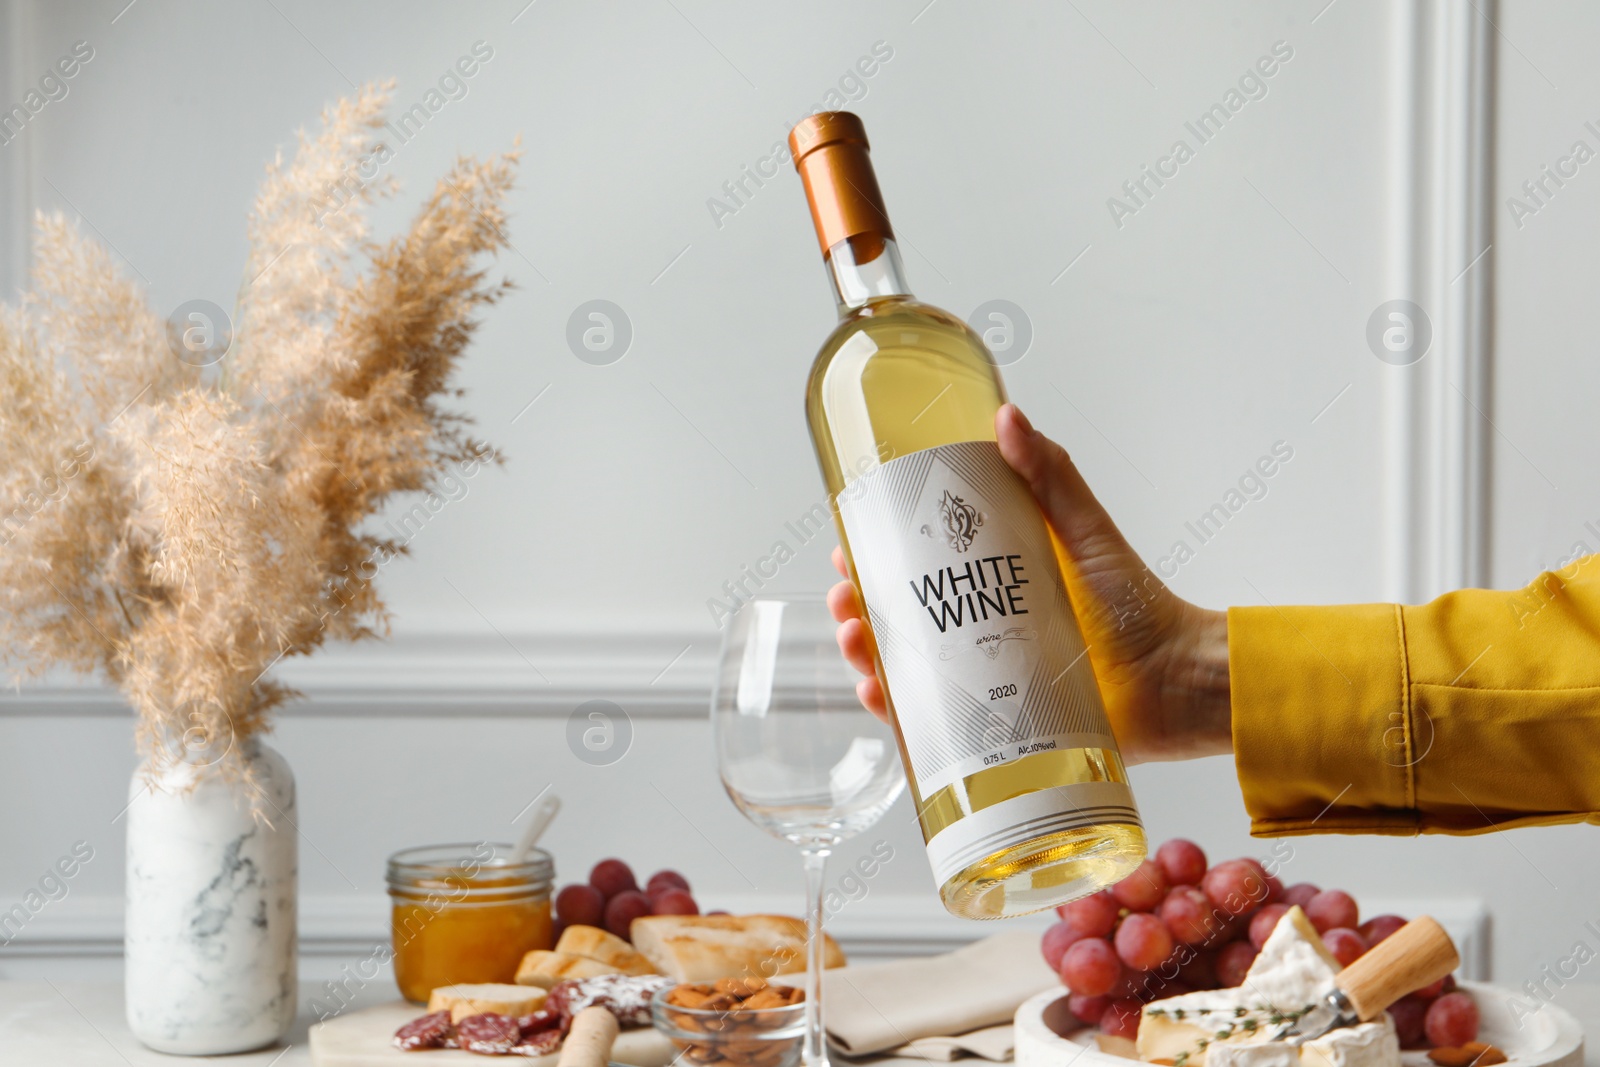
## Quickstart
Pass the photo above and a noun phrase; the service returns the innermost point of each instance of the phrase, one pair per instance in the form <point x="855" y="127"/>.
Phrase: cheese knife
<point x="1416" y="955"/>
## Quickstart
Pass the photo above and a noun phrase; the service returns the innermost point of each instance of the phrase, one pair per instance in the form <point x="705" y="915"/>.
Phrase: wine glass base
<point x="1045" y="873"/>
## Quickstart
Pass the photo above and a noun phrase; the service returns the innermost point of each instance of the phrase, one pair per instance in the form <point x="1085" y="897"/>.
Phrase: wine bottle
<point x="1021" y="793"/>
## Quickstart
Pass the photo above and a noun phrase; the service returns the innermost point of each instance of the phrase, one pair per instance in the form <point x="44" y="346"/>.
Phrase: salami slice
<point x="540" y="1044"/>
<point x="430" y="1031"/>
<point x="537" y="1022"/>
<point x="488" y="1034"/>
<point x="625" y="996"/>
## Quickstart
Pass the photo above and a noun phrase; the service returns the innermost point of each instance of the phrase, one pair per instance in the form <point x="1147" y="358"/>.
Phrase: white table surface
<point x="44" y="1024"/>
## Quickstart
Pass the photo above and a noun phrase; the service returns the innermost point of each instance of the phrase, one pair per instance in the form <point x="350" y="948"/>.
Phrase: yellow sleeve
<point x="1476" y="712"/>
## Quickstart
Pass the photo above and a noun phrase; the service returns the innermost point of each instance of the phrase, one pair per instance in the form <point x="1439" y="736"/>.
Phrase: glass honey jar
<point x="465" y="913"/>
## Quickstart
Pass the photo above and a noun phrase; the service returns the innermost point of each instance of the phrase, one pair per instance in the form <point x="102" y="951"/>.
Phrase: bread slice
<point x="602" y="945"/>
<point x="704" y="948"/>
<point x="464" y="1000"/>
<point x="544" y="968"/>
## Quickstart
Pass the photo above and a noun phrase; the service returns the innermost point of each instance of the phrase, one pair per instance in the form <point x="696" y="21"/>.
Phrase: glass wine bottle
<point x="1021" y="793"/>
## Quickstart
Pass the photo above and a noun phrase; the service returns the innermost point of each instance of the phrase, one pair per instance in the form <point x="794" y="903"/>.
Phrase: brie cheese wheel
<point x="1292" y="972"/>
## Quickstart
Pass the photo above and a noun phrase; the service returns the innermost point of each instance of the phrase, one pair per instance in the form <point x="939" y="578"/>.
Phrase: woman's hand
<point x="1162" y="663"/>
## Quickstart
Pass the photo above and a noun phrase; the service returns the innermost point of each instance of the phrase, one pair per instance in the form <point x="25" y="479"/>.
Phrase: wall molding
<point x="1440" y="192"/>
<point x="347" y="927"/>
<point x="16" y="223"/>
<point x="665" y="674"/>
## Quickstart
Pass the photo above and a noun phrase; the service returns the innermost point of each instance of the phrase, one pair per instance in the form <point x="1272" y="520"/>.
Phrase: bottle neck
<point x="863" y="268"/>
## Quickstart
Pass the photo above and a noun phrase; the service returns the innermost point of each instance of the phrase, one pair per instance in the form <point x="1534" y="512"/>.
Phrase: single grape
<point x="1275" y="890"/>
<point x="1452" y="1020"/>
<point x="612" y="877"/>
<point x="1188" y="915"/>
<point x="1345" y="944"/>
<point x="1090" y="967"/>
<point x="1234" y="887"/>
<point x="581" y="905"/>
<point x="1264" y="922"/>
<point x="1331" y="908"/>
<point x="1089" y="1009"/>
<point x="1129" y="984"/>
<point x="1300" y="894"/>
<point x="1379" y="927"/>
<point x="1449" y="983"/>
<point x="1233" y="928"/>
<point x="1233" y="962"/>
<point x="1121" y="1019"/>
<point x="1255" y="865"/>
<point x="622" y="909"/>
<point x="1200" y="971"/>
<point x="1409" y="1015"/>
<point x="674" y="902"/>
<point x="1429" y="991"/>
<point x="661" y="881"/>
<point x="1144" y="889"/>
<point x="1093" y="916"/>
<point x="1158" y="988"/>
<point x="1143" y="941"/>
<point x="1056" y="940"/>
<point x="1182" y="861"/>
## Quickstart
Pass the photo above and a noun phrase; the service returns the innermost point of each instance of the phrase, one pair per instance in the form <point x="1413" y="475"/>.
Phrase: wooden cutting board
<point x="365" y="1039"/>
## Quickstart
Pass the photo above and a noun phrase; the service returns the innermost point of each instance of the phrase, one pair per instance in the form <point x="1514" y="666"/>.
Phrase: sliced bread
<point x="704" y="948"/>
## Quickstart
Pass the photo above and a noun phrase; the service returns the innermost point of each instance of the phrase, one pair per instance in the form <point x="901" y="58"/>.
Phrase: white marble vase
<point x="210" y="956"/>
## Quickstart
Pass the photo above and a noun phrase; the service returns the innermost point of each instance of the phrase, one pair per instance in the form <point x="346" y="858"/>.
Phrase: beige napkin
<point x="996" y="1043"/>
<point x="937" y="1007"/>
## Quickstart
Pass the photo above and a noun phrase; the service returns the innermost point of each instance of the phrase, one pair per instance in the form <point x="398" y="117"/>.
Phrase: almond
<point x="1472" y="1054"/>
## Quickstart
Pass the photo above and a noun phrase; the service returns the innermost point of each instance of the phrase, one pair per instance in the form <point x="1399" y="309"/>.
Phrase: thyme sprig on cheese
<point x="1238" y="1018"/>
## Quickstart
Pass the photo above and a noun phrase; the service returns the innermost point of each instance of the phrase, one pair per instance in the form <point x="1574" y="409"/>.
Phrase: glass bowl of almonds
<point x="743" y="1022"/>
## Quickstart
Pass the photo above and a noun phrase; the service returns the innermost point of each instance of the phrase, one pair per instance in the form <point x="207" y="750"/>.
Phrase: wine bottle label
<point x="984" y="660"/>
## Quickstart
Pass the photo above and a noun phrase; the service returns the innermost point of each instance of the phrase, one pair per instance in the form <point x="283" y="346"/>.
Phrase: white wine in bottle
<point x="1021" y="792"/>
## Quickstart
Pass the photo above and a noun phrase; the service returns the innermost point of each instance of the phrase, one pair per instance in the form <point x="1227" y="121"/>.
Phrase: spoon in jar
<point x="542" y="817"/>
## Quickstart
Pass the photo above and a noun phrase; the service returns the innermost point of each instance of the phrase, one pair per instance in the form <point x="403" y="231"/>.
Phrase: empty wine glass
<point x="797" y="753"/>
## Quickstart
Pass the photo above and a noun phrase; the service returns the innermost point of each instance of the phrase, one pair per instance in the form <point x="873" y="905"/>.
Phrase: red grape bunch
<point x="1177" y="924"/>
<point x="612" y="899"/>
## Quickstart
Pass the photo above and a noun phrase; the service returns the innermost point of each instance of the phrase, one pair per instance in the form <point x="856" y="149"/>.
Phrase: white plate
<point x="1548" y="1038"/>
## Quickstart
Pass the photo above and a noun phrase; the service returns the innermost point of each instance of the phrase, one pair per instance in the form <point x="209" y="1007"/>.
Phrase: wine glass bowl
<point x="867" y="780"/>
<point x="797" y="753"/>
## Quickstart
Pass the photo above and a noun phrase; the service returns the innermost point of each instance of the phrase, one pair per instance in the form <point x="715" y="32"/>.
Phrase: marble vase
<point x="210" y="952"/>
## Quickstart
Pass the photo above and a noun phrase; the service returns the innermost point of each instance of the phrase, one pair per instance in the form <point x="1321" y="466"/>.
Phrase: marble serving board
<point x="365" y="1038"/>
<point x="1549" y="1038"/>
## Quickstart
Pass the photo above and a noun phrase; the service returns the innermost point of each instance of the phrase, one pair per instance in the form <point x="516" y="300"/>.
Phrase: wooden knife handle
<point x="588" y="1044"/>
<point x="1417" y="954"/>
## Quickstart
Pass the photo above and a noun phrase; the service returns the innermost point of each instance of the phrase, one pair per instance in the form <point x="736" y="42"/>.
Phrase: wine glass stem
<point x="816" y="1047"/>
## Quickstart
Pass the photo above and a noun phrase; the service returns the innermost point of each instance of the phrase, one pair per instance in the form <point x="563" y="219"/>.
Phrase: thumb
<point x="1083" y="526"/>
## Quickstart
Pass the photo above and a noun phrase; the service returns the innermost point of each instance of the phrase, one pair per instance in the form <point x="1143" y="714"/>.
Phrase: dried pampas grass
<point x="181" y="530"/>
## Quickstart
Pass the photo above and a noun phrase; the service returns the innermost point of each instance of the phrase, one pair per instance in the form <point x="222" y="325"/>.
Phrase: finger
<point x="870" y="693"/>
<point x="855" y="641"/>
<point x="843" y="602"/>
<point x="1069" y="505"/>
<point x="838" y="561"/>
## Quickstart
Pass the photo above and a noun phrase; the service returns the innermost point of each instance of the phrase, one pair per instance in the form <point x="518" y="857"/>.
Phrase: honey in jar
<point x="465" y="913"/>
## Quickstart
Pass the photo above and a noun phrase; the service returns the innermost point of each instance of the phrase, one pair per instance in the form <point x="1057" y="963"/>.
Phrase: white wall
<point x="1225" y="315"/>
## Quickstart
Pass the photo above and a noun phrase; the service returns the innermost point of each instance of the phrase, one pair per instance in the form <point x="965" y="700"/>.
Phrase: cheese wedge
<point x="464" y="1000"/>
<point x="544" y="968"/>
<point x="604" y="946"/>
<point x="1291" y="972"/>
